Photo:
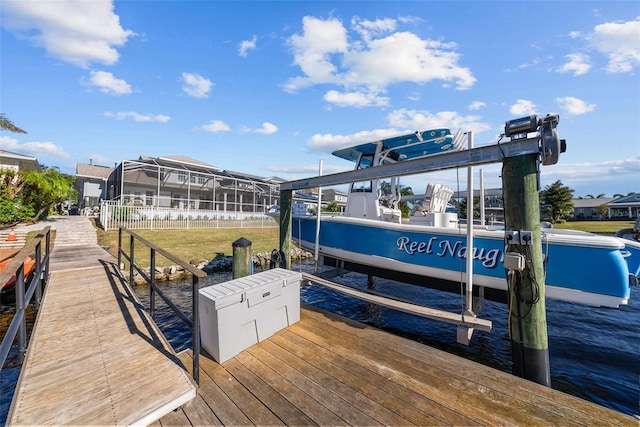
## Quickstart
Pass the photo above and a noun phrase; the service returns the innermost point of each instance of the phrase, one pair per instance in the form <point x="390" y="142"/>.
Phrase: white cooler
<point x="235" y="315"/>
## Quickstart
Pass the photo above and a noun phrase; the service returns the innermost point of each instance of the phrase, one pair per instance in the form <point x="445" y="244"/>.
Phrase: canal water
<point x="594" y="352"/>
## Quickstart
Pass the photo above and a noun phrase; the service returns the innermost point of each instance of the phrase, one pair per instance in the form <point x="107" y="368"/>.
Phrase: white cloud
<point x="35" y="148"/>
<point x="312" y="51"/>
<point x="327" y="54"/>
<point x="267" y="129"/>
<point x="401" y="122"/>
<point x="595" y="177"/>
<point x="369" y="29"/>
<point x="575" y="106"/>
<point x="76" y="31"/>
<point x="476" y="105"/>
<point x="355" y="99"/>
<point x="195" y="85"/>
<point x="522" y="107"/>
<point x="246" y="46"/>
<point x="620" y="41"/>
<point x="138" y="117"/>
<point x="216" y="126"/>
<point x="578" y="63"/>
<point x="424" y="120"/>
<point x="109" y="84"/>
<point x="328" y="142"/>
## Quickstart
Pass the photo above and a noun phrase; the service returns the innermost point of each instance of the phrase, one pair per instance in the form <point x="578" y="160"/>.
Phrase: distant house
<point x="18" y="162"/>
<point x="625" y="207"/>
<point x="590" y="208"/>
<point x="330" y="195"/>
<point x="185" y="183"/>
<point x="91" y="183"/>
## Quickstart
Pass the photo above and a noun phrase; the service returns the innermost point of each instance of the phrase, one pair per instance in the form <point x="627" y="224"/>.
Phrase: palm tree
<point x="6" y="124"/>
<point x="46" y="188"/>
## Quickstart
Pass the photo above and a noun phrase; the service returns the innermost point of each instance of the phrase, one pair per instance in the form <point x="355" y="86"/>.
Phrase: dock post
<point x="528" y="323"/>
<point x="286" y="197"/>
<point x="242" y="259"/>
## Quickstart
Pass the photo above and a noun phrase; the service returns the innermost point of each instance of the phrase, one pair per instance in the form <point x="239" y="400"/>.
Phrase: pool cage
<point x="179" y="193"/>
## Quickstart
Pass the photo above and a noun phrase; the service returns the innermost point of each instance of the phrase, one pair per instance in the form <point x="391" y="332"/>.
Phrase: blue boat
<point x="371" y="236"/>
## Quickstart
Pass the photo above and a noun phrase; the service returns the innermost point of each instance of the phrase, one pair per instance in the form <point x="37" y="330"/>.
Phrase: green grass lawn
<point x="604" y="227"/>
<point x="192" y="244"/>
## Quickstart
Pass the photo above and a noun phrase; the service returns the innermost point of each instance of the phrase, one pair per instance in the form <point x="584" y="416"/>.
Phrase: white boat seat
<point x="437" y="197"/>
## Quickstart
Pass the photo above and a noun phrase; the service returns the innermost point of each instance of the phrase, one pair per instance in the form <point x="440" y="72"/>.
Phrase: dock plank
<point x="285" y="410"/>
<point x="556" y="404"/>
<point x="95" y="355"/>
<point x="250" y="406"/>
<point x="334" y="379"/>
<point x="329" y="370"/>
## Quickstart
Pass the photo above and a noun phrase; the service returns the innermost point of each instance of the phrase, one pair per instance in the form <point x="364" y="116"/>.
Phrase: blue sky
<point x="270" y="88"/>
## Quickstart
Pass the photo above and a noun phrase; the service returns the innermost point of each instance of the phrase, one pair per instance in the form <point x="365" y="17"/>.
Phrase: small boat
<point x="5" y="260"/>
<point x="372" y="237"/>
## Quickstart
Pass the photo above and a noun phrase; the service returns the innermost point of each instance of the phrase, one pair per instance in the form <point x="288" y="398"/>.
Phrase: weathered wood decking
<point x="327" y="370"/>
<point x="95" y="356"/>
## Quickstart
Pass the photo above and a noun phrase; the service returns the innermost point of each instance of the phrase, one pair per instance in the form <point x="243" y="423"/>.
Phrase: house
<point x="625" y="207"/>
<point x="590" y="208"/>
<point x="185" y="183"/>
<point x="18" y="162"/>
<point x="91" y="184"/>
<point x="330" y="195"/>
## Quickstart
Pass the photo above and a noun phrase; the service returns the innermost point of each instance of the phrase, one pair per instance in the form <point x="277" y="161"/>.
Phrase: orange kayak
<point x="29" y="267"/>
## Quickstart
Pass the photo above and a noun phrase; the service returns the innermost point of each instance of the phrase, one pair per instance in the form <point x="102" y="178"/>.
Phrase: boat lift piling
<point x="520" y="157"/>
<point x="527" y="315"/>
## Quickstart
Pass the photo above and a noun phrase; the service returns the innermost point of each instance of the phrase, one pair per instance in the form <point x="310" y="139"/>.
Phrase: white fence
<point x="113" y="215"/>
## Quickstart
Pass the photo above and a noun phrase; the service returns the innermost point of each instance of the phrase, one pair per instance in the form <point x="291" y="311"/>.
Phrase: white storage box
<point x="235" y="315"/>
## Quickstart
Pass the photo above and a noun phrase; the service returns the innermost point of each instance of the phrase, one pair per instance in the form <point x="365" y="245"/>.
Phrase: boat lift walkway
<point x="95" y="356"/>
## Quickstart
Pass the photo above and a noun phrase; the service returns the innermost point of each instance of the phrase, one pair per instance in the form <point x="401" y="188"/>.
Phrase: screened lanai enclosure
<point x="181" y="193"/>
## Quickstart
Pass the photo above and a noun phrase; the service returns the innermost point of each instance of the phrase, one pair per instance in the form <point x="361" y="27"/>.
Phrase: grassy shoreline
<point x="208" y="243"/>
<point x="193" y="244"/>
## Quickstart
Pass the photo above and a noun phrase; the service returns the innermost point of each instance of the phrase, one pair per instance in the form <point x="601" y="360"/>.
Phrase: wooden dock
<point x="327" y="370"/>
<point x="95" y="355"/>
<point x="96" y="358"/>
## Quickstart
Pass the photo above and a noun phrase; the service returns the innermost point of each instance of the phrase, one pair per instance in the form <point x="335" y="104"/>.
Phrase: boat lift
<point x="546" y="144"/>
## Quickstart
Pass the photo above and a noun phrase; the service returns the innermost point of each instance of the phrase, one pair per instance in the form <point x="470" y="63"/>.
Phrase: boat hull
<point x="580" y="267"/>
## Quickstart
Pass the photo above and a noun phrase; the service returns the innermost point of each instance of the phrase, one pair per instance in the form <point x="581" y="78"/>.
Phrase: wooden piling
<point x="528" y="324"/>
<point x="242" y="259"/>
<point x="286" y="197"/>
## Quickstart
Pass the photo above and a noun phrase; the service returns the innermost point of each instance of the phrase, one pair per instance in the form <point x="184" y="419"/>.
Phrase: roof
<point x="178" y="162"/>
<point x="630" y="200"/>
<point x="93" y="171"/>
<point x="188" y="161"/>
<point x="24" y="162"/>
<point x="591" y="202"/>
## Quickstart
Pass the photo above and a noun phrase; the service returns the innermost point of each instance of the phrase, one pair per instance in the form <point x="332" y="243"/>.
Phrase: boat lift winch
<point x="546" y="144"/>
